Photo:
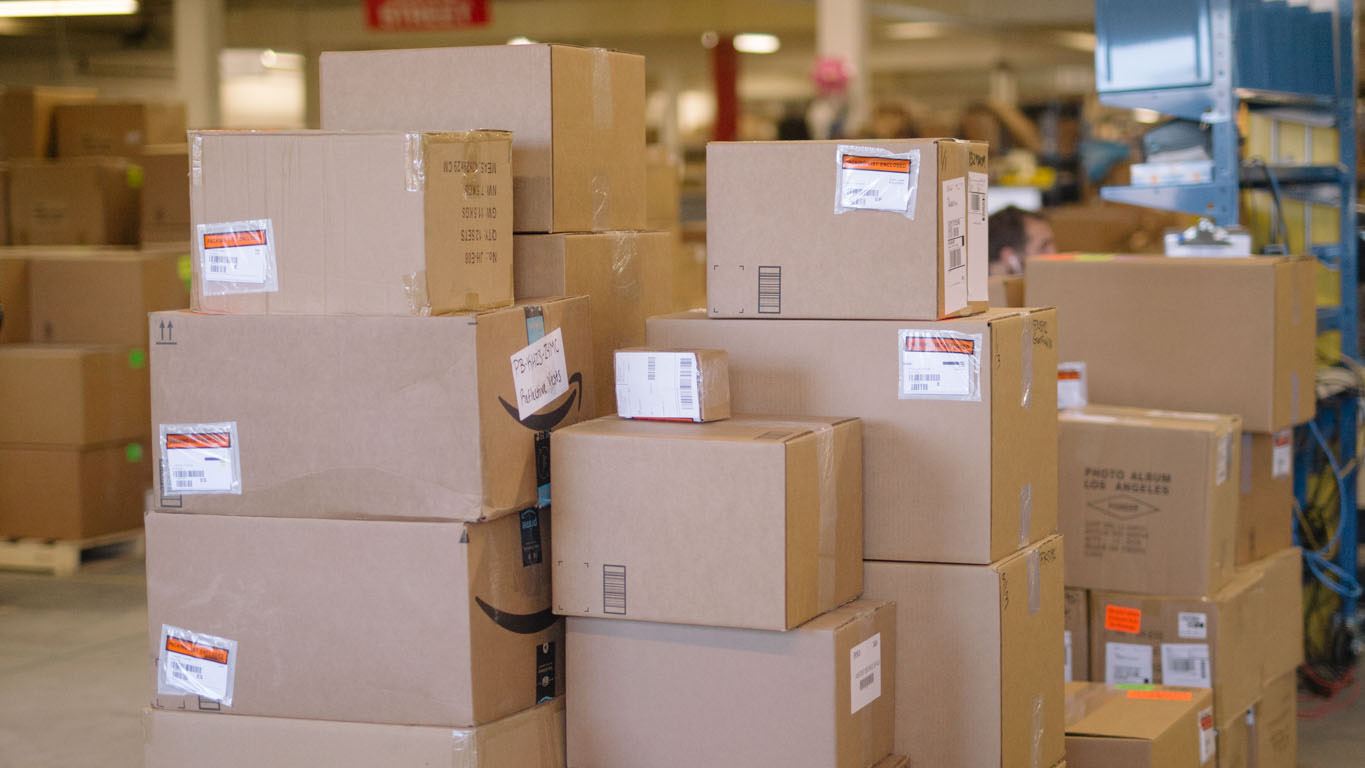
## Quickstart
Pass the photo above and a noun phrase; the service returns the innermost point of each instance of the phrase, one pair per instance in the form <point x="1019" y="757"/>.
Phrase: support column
<point x="725" y="71"/>
<point x="199" y="33"/>
<point x="841" y="33"/>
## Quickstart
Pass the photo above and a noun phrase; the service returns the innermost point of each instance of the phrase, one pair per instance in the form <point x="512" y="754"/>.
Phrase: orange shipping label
<point x="939" y="344"/>
<point x="886" y="164"/>
<point x="197" y="650"/>
<point x="1117" y="618"/>
<point x="199" y="440"/>
<point x="235" y="239"/>
<point x="1161" y="695"/>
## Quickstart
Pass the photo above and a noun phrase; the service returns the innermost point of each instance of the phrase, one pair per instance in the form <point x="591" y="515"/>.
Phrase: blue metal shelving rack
<point x="1202" y="59"/>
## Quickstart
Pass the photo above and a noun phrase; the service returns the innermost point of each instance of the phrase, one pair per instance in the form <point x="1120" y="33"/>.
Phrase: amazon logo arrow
<point x="544" y="422"/>
<point x="520" y="623"/>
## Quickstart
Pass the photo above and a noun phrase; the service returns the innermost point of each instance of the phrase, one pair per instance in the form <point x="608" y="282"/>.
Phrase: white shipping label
<point x="1066" y="666"/>
<point x="1282" y="454"/>
<point x="1127" y="664"/>
<point x="1208" y="737"/>
<point x="939" y="365"/>
<point x="1186" y="664"/>
<point x="238" y="252"/>
<point x="200" y="458"/>
<point x="954" y="206"/>
<point x="1071" y="386"/>
<point x="196" y="664"/>
<point x="658" y="385"/>
<point x="1224" y="457"/>
<point x="978" y="235"/>
<point x="876" y="180"/>
<point x="1192" y="626"/>
<point x="539" y="373"/>
<point x="865" y="672"/>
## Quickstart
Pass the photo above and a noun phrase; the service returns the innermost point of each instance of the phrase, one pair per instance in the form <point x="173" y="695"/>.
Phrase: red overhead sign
<point x="424" y="15"/>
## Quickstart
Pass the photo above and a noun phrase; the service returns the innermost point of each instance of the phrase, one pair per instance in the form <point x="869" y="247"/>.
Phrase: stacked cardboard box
<point x="1140" y="727"/>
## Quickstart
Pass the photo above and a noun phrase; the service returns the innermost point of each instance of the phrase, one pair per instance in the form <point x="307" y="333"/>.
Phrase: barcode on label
<point x="954" y="228"/>
<point x="652" y="368"/>
<point x="1189" y="666"/>
<point x="976" y="202"/>
<point x="955" y="257"/>
<point x="1125" y="673"/>
<point x="188" y="473"/>
<point x="217" y="268"/>
<point x="685" y="382"/>
<point x="770" y="290"/>
<point x="614" y="589"/>
<point x="867" y="681"/>
<point x="218" y="258"/>
<point x="872" y="193"/>
<point x="192" y="668"/>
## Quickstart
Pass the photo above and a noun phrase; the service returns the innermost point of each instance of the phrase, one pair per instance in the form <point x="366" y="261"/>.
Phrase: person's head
<point x="1017" y="235"/>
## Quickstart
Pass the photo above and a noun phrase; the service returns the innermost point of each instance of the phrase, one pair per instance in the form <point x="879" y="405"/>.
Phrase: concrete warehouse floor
<point x="74" y="675"/>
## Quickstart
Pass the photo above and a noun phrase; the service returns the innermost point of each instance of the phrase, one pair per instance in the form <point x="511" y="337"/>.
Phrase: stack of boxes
<point x="1182" y="562"/>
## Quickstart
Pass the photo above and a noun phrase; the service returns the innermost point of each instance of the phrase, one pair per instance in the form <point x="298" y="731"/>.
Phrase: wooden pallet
<point x="62" y="557"/>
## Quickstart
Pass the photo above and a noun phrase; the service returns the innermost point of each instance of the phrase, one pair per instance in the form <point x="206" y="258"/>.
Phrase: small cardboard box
<point x="979" y="671"/>
<point x="86" y="201"/>
<point x="446" y="624"/>
<point x="672" y="384"/>
<point x="72" y="394"/>
<point x="627" y="277"/>
<point x="26" y="118"/>
<point x="791" y="232"/>
<point x="1275" y="728"/>
<point x="530" y="739"/>
<point x="1265" y="509"/>
<point x="165" y="193"/>
<point x="1280" y="596"/>
<point x="324" y="222"/>
<point x="350" y="417"/>
<point x="949" y="477"/>
<point x="73" y="492"/>
<point x="674" y="696"/>
<point x="102" y="295"/>
<point x="779" y="499"/>
<point x="1006" y="291"/>
<point x="1155" y="727"/>
<point x="122" y="129"/>
<point x="1149" y="498"/>
<point x="1191" y="334"/>
<point x="1077" y="635"/>
<point x="577" y="117"/>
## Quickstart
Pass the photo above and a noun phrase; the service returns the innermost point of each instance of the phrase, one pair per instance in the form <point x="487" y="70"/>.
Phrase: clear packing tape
<point x="602" y="118"/>
<point x="827" y="539"/>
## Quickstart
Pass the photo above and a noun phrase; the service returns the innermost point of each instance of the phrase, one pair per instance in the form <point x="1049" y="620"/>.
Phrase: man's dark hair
<point x="1007" y="230"/>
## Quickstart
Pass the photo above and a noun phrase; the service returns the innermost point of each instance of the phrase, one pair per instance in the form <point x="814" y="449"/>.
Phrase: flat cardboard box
<point x="165" y="193"/>
<point x="751" y="522"/>
<point x="672" y="384"/>
<point x="387" y="417"/>
<point x="102" y="295"/>
<point x="72" y="395"/>
<point x="73" y="492"/>
<point x="1148" y="498"/>
<point x="979" y="664"/>
<point x="445" y="624"/>
<point x="1234" y="742"/>
<point x="944" y="480"/>
<point x="1275" y="734"/>
<point x="673" y="696"/>
<point x="1280" y="596"/>
<point x="26" y="118"/>
<point x="626" y="276"/>
<point x="85" y="201"/>
<point x="1265" y="508"/>
<point x="388" y="223"/>
<point x="110" y="128"/>
<point x="577" y="117"/>
<point x="1077" y="635"/>
<point x="530" y="739"/>
<point x="1199" y="334"/>
<point x="776" y="245"/>
<point x="1209" y="641"/>
<point x="1006" y="291"/>
<point x="1163" y="727"/>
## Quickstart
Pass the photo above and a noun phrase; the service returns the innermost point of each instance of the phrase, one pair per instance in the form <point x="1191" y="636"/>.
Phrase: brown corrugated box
<point x="777" y="248"/>
<point x="944" y="480"/>
<point x="4" y="203"/>
<point x="1280" y="597"/>
<point x="165" y="193"/>
<point x="663" y="190"/>
<point x="73" y="492"/>
<point x="674" y="696"/>
<point x="72" y="394"/>
<point x="1164" y="727"/>
<point x="1077" y="634"/>
<point x="1193" y="334"/>
<point x="1234" y="742"/>
<point x="349" y="416"/>
<point x="409" y="623"/>
<point x="754" y="521"/>
<point x="14" y="312"/>
<point x="101" y="295"/>
<point x="85" y="201"/>
<point x="530" y="739"/>
<point x="979" y="665"/>
<point x="673" y="384"/>
<point x="1275" y="733"/>
<point x="1006" y="291"/>
<point x="1265" y="509"/>
<point x="627" y="277"/>
<point x="121" y="129"/>
<point x="1148" y="498"/>
<point x="364" y="223"/>
<point x="26" y="118"/>
<point x="577" y="117"/>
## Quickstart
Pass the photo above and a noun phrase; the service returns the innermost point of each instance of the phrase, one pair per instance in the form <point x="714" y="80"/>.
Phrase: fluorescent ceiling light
<point x="755" y="42"/>
<point x="21" y="8"/>
<point x="914" y="30"/>
<point x="520" y="40"/>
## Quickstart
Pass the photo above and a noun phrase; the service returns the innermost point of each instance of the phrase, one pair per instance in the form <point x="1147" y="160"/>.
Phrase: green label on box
<point x="135" y="176"/>
<point x="133" y="453"/>
<point x="137" y="358"/>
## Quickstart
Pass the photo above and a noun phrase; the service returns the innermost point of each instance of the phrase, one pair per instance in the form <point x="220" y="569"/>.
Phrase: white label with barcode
<point x="1281" y="454"/>
<point x="1066" y="667"/>
<point x="1192" y="626"/>
<point x="1224" y="457"/>
<point x="658" y="385"/>
<point x="875" y="179"/>
<point x="978" y="234"/>
<point x="953" y="203"/>
<point x="200" y="458"/>
<point x="196" y="664"/>
<point x="939" y="365"/>
<point x="1127" y="664"/>
<point x="1186" y="664"/>
<point x="865" y="672"/>
<point x="1208" y="737"/>
<point x="539" y="373"/>
<point x="237" y="252"/>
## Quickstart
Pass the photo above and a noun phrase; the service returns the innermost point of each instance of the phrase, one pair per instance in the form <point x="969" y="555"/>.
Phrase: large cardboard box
<point x="14" y="314"/>
<point x="86" y="201"/>
<point x="1265" y="508"/>
<point x="674" y="696"/>
<point x="1006" y="291"/>
<point x="165" y="193"/>
<point x="445" y="624"/>
<point x="73" y="492"/>
<point x="777" y="501"/>
<point x="101" y="295"/>
<point x="627" y="277"/>
<point x="1160" y="727"/>
<point x="318" y="222"/>
<point x="1148" y="498"/>
<point x="26" y="118"/>
<point x="577" y="117"/>
<point x="979" y="667"/>
<point x="530" y="739"/>
<point x="1191" y="334"/>
<point x="1077" y="635"/>
<point x="1275" y="732"/>
<point x="948" y="477"/>
<point x="1234" y="741"/>
<point x="72" y="394"/>
<point x="1279" y="598"/>
<point x="105" y="128"/>
<point x="822" y="229"/>
<point x="1197" y="641"/>
<point x="389" y="417"/>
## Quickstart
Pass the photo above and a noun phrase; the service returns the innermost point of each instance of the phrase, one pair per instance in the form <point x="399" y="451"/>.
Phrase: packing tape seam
<point x="415" y="291"/>
<point x="414" y="167"/>
<point x="464" y="748"/>
<point x="826" y="546"/>
<point x="1025" y="513"/>
<point x="624" y="253"/>
<point x="1026" y="364"/>
<point x="1246" y="462"/>
<point x="600" y="180"/>
<point x="1036" y="733"/>
<point x="196" y="158"/>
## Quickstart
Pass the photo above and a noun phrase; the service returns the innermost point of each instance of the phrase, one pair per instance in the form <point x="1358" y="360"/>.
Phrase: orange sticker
<point x="1120" y="619"/>
<point x="1072" y="375"/>
<point x="197" y="650"/>
<point x="866" y="163"/>
<point x="199" y="440"/>
<point x="939" y="344"/>
<point x="234" y="239"/>
<point x="1162" y="696"/>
